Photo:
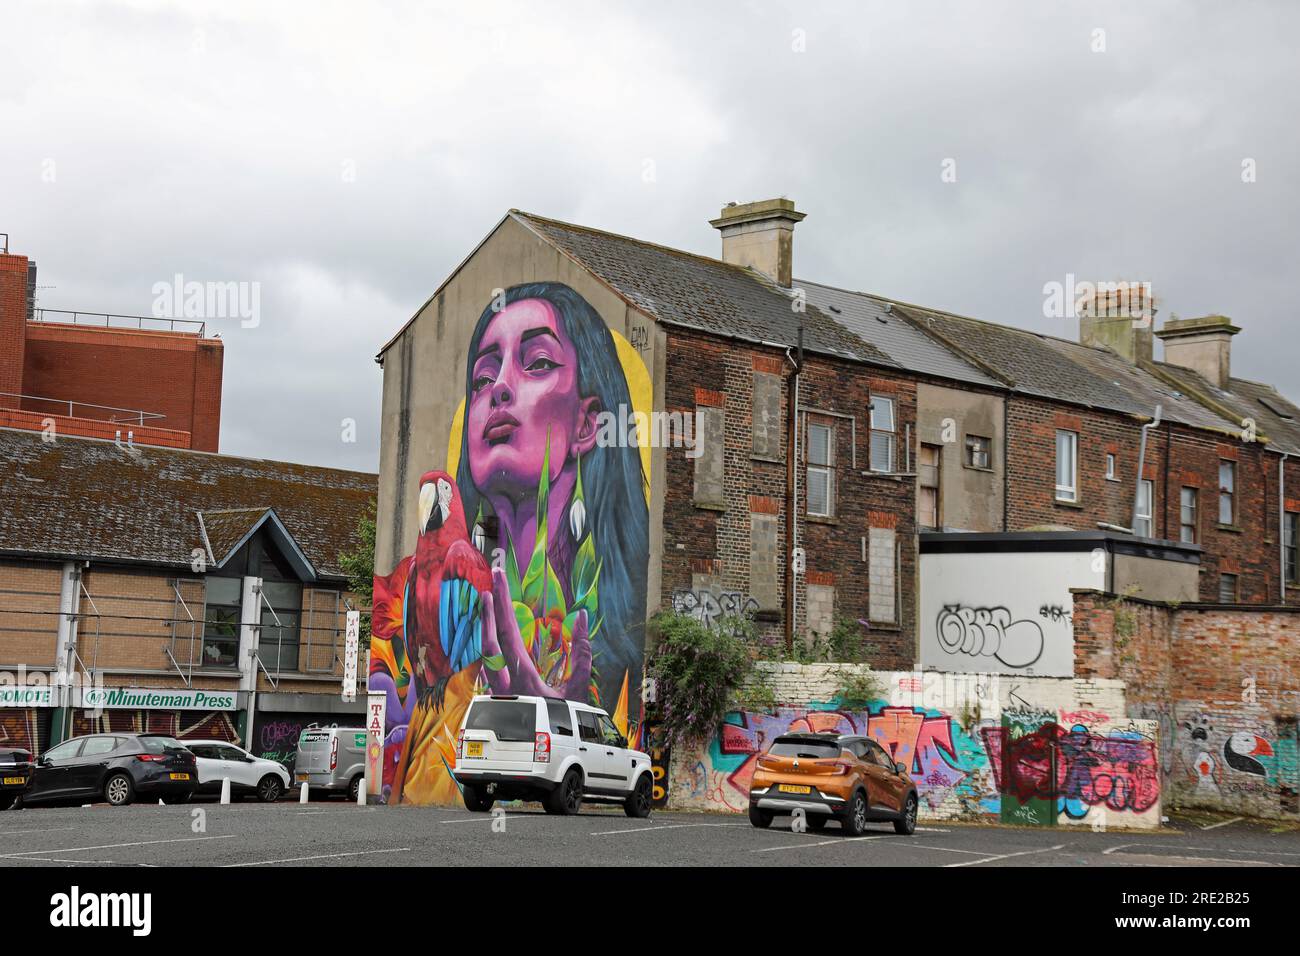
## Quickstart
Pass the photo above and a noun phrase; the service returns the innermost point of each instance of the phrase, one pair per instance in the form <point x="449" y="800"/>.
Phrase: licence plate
<point x="301" y="778"/>
<point x="15" y="781"/>
<point x="473" y="748"/>
<point x="792" y="788"/>
<point x="179" y="776"/>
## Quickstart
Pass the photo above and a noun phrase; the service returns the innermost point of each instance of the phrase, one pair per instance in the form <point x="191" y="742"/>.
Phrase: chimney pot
<point x="760" y="235"/>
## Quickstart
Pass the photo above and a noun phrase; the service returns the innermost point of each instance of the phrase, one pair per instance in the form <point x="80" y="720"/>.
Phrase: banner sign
<point x="22" y="696"/>
<point x="351" y="648"/>
<point x="159" y="698"/>
<point x="376" y="712"/>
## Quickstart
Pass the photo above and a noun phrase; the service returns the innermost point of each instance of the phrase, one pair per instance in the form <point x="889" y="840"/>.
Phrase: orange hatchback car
<point x="832" y="777"/>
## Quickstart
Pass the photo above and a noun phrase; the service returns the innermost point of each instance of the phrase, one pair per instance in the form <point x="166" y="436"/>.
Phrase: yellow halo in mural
<point x="639" y="389"/>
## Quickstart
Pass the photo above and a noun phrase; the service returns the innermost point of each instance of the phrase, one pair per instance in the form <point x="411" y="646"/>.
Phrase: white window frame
<point x="1183" y="523"/>
<point x="1070" y="492"/>
<point x="1112" y="466"/>
<point x="1144" y="526"/>
<point x="826" y="471"/>
<point x="987" y="451"/>
<point x="891" y="433"/>
<point x="1228" y="492"/>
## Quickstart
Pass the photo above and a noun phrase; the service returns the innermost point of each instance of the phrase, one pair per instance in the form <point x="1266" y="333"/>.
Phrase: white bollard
<point x="225" y="789"/>
<point x="302" y="793"/>
<point x="160" y="801"/>
<point x="361" y="794"/>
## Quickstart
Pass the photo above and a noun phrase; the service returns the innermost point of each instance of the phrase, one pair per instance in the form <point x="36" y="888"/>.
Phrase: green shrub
<point x="702" y="673"/>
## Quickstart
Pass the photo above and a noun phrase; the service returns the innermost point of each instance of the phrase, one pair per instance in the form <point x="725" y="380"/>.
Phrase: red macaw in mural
<point x="445" y="591"/>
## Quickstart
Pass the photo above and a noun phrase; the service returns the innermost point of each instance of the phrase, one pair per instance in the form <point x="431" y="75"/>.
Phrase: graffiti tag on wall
<point x="708" y="607"/>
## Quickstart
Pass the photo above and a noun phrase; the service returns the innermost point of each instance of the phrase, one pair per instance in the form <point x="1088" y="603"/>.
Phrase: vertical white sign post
<point x="350" y="651"/>
<point x="376" y="714"/>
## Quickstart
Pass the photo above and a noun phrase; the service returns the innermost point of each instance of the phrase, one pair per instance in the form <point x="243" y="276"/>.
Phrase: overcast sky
<point x="347" y="156"/>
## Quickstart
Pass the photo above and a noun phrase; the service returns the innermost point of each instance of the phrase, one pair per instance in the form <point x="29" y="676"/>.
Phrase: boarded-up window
<point x="711" y="449"/>
<point x="767" y="415"/>
<point x="881" y="579"/>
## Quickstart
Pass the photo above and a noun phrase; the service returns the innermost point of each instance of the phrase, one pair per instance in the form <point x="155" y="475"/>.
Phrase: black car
<point x="15" y="773"/>
<point x="117" y="768"/>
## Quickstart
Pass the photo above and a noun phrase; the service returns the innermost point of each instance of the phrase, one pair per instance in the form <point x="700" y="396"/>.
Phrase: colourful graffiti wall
<point x="528" y="574"/>
<point x="975" y="759"/>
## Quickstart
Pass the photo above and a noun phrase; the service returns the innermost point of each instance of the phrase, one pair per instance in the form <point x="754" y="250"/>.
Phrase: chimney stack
<point x="1119" y="316"/>
<point x="760" y="235"/>
<point x="1204" y="345"/>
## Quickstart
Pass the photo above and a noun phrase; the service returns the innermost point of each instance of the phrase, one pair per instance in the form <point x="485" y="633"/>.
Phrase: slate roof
<point x="1048" y="367"/>
<point x="696" y="292"/>
<point x="1276" y="417"/>
<point x="871" y="318"/>
<point x="80" y="498"/>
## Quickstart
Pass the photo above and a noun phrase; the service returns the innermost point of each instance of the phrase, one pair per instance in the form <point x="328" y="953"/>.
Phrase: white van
<point x="557" y="751"/>
<point x="332" y="759"/>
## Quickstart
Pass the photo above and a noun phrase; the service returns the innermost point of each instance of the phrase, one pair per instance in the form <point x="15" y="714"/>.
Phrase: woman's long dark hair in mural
<point x="612" y="479"/>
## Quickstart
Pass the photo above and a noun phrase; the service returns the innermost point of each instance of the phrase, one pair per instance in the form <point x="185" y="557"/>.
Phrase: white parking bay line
<point x="114" y="846"/>
<point x="666" y="826"/>
<point x="320" y="856"/>
<point x="844" y="841"/>
<point x="41" y="830"/>
<point x="1215" y="826"/>
<point x="1007" y="856"/>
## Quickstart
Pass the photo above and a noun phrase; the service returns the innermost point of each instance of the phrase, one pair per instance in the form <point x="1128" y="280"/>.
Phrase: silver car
<point x="332" y="759"/>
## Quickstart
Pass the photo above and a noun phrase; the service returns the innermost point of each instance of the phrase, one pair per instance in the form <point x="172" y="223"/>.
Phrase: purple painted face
<point x="524" y="381"/>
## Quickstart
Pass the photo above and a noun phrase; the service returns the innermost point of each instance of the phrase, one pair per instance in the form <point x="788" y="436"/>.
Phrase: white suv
<point x="544" y="748"/>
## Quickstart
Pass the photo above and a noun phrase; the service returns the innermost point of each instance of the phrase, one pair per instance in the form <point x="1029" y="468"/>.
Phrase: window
<point x="1112" y="467"/>
<point x="1227" y="589"/>
<point x="927" y="500"/>
<point x="221" y="621"/>
<point x="558" y="713"/>
<point x="1146" y="492"/>
<point x="278" y="646"/>
<point x="512" y="720"/>
<point x="821" y="470"/>
<point x="588" y="728"/>
<point x="883" y="427"/>
<point x="1227" y="489"/>
<point x="1290" y="539"/>
<point x="1067" y="466"/>
<point x="65" y="751"/>
<point x="813" y="748"/>
<point x="880" y="757"/>
<point x="608" y="732"/>
<point x="1187" y="515"/>
<point x="979" y="452"/>
<point x="98" y="746"/>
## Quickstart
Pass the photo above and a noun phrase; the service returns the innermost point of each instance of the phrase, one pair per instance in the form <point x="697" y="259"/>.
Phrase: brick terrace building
<point x="146" y="380"/>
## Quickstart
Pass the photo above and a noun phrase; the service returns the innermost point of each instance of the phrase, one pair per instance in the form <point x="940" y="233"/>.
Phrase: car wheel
<point x="118" y="790"/>
<point x="816" y="822"/>
<point x="269" y="788"/>
<point x="907" y="825"/>
<point x="638" y="804"/>
<point x="567" y="797"/>
<point x="760" y="818"/>
<point x="475" y="801"/>
<point x="854" y="821"/>
<point x="354" y="787"/>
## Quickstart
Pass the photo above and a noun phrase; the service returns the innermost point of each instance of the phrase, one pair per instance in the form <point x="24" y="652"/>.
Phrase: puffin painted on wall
<point x="1242" y="749"/>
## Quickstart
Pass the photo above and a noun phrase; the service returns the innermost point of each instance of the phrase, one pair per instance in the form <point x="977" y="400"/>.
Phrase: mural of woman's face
<point x="524" y="382"/>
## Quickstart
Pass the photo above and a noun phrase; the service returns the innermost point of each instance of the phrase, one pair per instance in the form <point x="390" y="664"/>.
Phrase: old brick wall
<point x="1224" y="684"/>
<point x="725" y="518"/>
<point x="29" y="614"/>
<point x="174" y="374"/>
<point x="1176" y="457"/>
<point x="13" y="322"/>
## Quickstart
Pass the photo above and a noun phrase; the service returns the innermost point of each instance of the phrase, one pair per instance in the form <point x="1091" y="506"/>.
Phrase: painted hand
<point x="519" y="675"/>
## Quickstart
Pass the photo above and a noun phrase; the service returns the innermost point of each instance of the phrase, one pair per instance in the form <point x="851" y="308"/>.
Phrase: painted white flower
<point x="479" y="537"/>
<point x="577" y="518"/>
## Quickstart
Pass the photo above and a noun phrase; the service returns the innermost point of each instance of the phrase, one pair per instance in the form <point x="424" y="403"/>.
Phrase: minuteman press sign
<point x="161" y="698"/>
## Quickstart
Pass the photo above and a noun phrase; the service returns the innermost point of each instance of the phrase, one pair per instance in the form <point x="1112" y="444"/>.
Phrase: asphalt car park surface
<point x="342" y="834"/>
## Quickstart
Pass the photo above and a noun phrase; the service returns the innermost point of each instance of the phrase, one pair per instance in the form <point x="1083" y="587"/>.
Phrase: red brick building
<point x="145" y="380"/>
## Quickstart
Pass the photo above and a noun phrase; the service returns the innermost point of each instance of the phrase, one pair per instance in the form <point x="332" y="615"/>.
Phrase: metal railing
<point x="132" y="414"/>
<point x="110" y="320"/>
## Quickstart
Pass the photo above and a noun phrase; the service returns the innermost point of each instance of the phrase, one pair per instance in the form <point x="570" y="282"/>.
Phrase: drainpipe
<point x="792" y="492"/>
<point x="1137" y="488"/>
<point x="1281" y="525"/>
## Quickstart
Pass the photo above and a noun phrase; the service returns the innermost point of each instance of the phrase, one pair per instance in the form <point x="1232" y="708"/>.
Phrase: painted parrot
<point x="445" y="591"/>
